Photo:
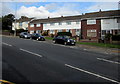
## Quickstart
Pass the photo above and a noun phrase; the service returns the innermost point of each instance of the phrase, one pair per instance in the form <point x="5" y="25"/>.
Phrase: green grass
<point x="49" y="38"/>
<point x="101" y="45"/>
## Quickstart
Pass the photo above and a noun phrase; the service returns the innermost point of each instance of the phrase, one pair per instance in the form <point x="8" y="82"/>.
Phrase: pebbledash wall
<point x="64" y="26"/>
<point x="88" y="26"/>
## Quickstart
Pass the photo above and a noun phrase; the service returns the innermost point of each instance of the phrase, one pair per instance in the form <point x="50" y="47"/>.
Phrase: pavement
<point x="104" y="50"/>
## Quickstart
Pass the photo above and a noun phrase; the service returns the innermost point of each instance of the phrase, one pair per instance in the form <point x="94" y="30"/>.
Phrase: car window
<point x="25" y="33"/>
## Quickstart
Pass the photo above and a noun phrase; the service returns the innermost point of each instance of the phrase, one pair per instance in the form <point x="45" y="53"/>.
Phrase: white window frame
<point x="31" y="25"/>
<point x="38" y="25"/>
<point x="90" y="22"/>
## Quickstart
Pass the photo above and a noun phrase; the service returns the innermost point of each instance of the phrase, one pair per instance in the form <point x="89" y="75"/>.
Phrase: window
<point x="60" y="23"/>
<point x="91" y="33"/>
<point x="67" y="30"/>
<point x="103" y="32"/>
<point x="37" y="25"/>
<point x="118" y="20"/>
<point x="52" y="24"/>
<point x="60" y="30"/>
<point x="31" y="31"/>
<point x="52" y="32"/>
<point x="31" y="25"/>
<point x="91" y="21"/>
<point x="20" y="24"/>
<point x="38" y="31"/>
<point x="77" y="22"/>
<point x="68" y="23"/>
<point x="77" y="32"/>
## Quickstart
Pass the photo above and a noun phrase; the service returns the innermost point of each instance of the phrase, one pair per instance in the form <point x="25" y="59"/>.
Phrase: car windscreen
<point x="38" y="35"/>
<point x="25" y="33"/>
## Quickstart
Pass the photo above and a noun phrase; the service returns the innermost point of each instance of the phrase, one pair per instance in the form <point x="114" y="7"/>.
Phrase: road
<point x="29" y="61"/>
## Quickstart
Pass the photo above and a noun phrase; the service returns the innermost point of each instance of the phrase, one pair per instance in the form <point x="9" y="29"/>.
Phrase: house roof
<point x="100" y="14"/>
<point x="24" y="19"/>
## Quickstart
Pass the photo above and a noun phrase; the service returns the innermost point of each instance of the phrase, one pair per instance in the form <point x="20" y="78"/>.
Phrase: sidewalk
<point x="104" y="50"/>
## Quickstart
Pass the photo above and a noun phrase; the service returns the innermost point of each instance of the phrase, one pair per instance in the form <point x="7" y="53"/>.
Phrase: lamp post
<point x="15" y="18"/>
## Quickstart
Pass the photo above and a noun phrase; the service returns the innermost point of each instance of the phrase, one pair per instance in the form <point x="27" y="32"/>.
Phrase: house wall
<point x="63" y="27"/>
<point x="111" y="26"/>
<point x="18" y="25"/>
<point x="35" y="28"/>
<point x="91" y="30"/>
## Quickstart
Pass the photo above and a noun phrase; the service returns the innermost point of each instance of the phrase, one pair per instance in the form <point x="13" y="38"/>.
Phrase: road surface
<point x="30" y="61"/>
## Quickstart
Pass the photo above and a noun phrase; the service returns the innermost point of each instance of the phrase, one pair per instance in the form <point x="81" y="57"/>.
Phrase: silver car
<point x="24" y="35"/>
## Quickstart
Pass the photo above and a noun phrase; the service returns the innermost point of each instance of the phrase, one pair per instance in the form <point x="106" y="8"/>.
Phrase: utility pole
<point x="119" y="5"/>
<point x="15" y="18"/>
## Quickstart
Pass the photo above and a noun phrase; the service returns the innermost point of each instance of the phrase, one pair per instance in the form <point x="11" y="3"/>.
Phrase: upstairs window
<point x="68" y="23"/>
<point x="37" y="25"/>
<point x="60" y="23"/>
<point x="90" y="22"/>
<point x="52" y="24"/>
<point x="31" y="25"/>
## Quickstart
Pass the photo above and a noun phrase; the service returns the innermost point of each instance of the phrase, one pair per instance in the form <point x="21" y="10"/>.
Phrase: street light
<point x="15" y="17"/>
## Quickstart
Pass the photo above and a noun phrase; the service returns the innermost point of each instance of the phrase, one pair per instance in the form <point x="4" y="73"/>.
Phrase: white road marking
<point x="30" y="52"/>
<point x="6" y="44"/>
<point x="92" y="73"/>
<point x="108" y="61"/>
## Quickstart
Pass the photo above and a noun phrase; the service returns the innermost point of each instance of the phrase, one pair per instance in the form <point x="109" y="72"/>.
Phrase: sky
<point x="43" y="9"/>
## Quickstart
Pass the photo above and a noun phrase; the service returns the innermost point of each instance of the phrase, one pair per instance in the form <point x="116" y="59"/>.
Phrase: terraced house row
<point x="92" y="26"/>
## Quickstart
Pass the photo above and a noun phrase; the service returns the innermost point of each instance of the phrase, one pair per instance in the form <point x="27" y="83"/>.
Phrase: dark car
<point x="66" y="40"/>
<point x="37" y="36"/>
<point x="24" y="35"/>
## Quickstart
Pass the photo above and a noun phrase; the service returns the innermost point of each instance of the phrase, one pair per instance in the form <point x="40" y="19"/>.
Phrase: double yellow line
<point x="5" y="82"/>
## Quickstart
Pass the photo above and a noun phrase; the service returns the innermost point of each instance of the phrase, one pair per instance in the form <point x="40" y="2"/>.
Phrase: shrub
<point x="116" y="37"/>
<point x="64" y="33"/>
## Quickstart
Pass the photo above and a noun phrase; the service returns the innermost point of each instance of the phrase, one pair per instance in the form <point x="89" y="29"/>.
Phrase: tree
<point x="7" y="21"/>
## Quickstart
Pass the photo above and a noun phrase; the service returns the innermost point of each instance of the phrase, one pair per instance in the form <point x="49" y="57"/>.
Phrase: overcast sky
<point x="51" y="8"/>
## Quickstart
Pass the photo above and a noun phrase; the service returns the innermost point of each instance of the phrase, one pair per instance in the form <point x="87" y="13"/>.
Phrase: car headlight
<point x="74" y="41"/>
<point x="25" y="36"/>
<point x="68" y="40"/>
<point x="39" y="37"/>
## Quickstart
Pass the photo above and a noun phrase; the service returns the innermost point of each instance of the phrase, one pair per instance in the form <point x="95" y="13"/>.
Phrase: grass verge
<point x="101" y="44"/>
<point x="49" y="38"/>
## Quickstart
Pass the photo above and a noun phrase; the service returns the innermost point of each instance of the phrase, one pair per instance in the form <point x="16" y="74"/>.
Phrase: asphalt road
<point x="29" y="61"/>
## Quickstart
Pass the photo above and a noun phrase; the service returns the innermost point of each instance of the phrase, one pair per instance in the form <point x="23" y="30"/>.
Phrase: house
<point x="89" y="26"/>
<point x="59" y="24"/>
<point x="21" y="23"/>
<point x="96" y="25"/>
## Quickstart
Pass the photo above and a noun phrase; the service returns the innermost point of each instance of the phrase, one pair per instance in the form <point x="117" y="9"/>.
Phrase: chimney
<point x="100" y="10"/>
<point x="48" y="17"/>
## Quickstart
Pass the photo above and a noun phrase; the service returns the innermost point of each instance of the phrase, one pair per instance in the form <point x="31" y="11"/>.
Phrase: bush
<point x="64" y="33"/>
<point x="116" y="37"/>
<point x="108" y="36"/>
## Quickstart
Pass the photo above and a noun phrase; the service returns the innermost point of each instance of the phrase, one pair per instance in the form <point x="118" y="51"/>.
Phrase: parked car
<point x="24" y="35"/>
<point x="37" y="36"/>
<point x="66" y="40"/>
